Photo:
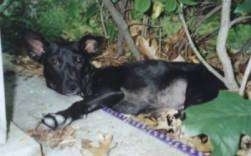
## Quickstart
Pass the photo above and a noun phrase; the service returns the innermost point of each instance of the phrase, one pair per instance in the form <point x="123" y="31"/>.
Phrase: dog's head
<point x="64" y="64"/>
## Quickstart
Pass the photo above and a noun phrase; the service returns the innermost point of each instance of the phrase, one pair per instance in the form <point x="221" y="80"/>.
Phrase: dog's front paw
<point x="54" y="121"/>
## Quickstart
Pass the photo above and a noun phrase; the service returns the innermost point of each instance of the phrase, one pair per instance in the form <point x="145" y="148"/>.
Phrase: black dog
<point x="131" y="88"/>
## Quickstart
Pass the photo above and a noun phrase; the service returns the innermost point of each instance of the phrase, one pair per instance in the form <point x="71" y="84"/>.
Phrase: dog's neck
<point x="86" y="79"/>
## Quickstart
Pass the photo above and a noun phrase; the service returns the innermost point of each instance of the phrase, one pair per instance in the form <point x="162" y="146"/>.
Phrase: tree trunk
<point x="123" y="27"/>
<point x="230" y="81"/>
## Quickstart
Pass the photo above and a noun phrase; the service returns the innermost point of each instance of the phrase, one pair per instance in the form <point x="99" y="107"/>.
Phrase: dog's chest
<point x="171" y="96"/>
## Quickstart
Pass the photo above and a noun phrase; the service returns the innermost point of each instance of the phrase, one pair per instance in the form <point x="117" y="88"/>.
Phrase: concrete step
<point x="19" y="144"/>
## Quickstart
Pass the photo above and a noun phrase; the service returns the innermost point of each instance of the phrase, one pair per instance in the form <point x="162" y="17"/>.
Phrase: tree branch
<point x="211" y="13"/>
<point x="245" y="78"/>
<point x="238" y="20"/>
<point x="221" y="46"/>
<point x="196" y="51"/>
<point x="122" y="26"/>
<point x="121" y="6"/>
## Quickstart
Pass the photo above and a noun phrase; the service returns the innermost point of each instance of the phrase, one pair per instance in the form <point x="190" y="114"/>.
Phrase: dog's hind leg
<point x="80" y="108"/>
<point x="127" y="107"/>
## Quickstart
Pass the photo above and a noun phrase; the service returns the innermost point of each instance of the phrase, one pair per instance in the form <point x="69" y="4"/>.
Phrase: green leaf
<point x="171" y="5"/>
<point x="142" y="5"/>
<point x="222" y="119"/>
<point x="189" y="2"/>
<point x="91" y="11"/>
<point x="243" y="8"/>
<point x="4" y="4"/>
<point x="238" y="36"/>
<point x="111" y="30"/>
<point x="115" y="1"/>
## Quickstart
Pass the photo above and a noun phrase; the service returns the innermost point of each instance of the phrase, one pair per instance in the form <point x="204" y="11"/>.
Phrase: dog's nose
<point x="70" y="87"/>
<point x="73" y="87"/>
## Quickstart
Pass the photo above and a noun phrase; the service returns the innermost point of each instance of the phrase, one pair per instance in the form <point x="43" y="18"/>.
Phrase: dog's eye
<point x="54" y="61"/>
<point x="77" y="59"/>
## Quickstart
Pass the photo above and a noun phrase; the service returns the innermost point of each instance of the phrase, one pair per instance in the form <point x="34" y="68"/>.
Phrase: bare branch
<point x="211" y="13"/>
<point x="148" y="25"/>
<point x="196" y="51"/>
<point x="120" y="42"/>
<point x="122" y="26"/>
<point x="238" y="20"/>
<point x="232" y="23"/>
<point x="121" y="6"/>
<point x="221" y="46"/>
<point x="245" y="78"/>
<point x="145" y="27"/>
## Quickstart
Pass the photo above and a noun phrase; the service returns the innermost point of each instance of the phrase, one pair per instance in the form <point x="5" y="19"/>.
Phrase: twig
<point x="245" y="78"/>
<point x="121" y="6"/>
<point x="102" y="17"/>
<point x="160" y="38"/>
<point x="122" y="26"/>
<point x="211" y="13"/>
<point x="145" y="27"/>
<point x="221" y="46"/>
<point x="232" y="23"/>
<point x="196" y="51"/>
<point x="148" y="25"/>
<point x="238" y="20"/>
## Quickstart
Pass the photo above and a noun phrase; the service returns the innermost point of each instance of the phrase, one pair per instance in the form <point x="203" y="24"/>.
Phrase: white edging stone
<point x="3" y="123"/>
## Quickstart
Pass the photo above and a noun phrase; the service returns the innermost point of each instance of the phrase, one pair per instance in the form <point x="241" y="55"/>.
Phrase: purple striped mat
<point x="169" y="141"/>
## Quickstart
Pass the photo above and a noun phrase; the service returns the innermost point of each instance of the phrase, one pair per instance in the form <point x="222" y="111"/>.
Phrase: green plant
<point x="142" y="6"/>
<point x="223" y="119"/>
<point x="243" y="8"/>
<point x="54" y="19"/>
<point x="238" y="36"/>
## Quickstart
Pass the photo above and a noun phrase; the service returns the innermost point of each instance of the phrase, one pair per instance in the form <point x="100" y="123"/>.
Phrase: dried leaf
<point x="110" y="58"/>
<point x="248" y="90"/>
<point x="198" y="143"/>
<point x="179" y="58"/>
<point x="102" y="149"/>
<point x="245" y="146"/>
<point x="147" y="119"/>
<point x="61" y="138"/>
<point x="26" y="66"/>
<point x="149" y="51"/>
<point x="135" y="28"/>
<point x="163" y="121"/>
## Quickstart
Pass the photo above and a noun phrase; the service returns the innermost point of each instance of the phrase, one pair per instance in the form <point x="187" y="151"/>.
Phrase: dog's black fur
<point x="130" y="88"/>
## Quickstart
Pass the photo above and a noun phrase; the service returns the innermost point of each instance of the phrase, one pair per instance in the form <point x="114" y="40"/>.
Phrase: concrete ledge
<point x="19" y="144"/>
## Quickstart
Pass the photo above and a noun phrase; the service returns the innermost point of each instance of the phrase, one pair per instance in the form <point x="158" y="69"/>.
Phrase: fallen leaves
<point x="20" y="65"/>
<point x="245" y="146"/>
<point x="168" y="122"/>
<point x="199" y="142"/>
<point x="65" y="137"/>
<point x="58" y="138"/>
<point x="147" y="47"/>
<point x="26" y="66"/>
<point x="110" y="58"/>
<point x="102" y="149"/>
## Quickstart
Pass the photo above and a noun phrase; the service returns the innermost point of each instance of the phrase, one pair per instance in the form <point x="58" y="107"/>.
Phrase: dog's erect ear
<point x="35" y="45"/>
<point x="92" y="45"/>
